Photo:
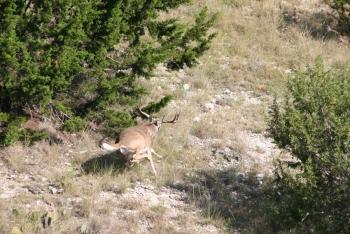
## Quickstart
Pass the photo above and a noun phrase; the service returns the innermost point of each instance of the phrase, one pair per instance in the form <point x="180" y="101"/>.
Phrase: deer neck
<point x="152" y="129"/>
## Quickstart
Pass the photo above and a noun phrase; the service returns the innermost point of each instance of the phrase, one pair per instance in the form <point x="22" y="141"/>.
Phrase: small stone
<point x="34" y="189"/>
<point x="53" y="190"/>
<point x="197" y="119"/>
<point x="186" y="86"/>
<point x="227" y="91"/>
<point x="259" y="177"/>
<point x="240" y="177"/>
<point x="209" y="106"/>
<point x="177" y="184"/>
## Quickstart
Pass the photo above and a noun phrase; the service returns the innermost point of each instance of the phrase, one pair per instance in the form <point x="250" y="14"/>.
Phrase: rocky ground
<point x="154" y="208"/>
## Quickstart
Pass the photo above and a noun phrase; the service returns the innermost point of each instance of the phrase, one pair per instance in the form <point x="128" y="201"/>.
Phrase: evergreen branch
<point x="27" y="6"/>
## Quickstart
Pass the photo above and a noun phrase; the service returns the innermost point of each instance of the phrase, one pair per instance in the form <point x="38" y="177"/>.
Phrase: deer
<point x="135" y="142"/>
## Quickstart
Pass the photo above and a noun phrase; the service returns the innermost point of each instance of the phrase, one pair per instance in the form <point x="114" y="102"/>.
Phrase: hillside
<point x="216" y="159"/>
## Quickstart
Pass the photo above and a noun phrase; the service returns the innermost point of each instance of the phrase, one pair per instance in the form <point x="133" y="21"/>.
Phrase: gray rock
<point x="227" y="91"/>
<point x="177" y="185"/>
<point x="197" y="119"/>
<point x="259" y="177"/>
<point x="209" y="106"/>
<point x="186" y="86"/>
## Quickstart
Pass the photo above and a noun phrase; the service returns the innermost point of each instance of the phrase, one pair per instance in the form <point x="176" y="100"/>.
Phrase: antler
<point x="147" y="115"/>
<point x="140" y="109"/>
<point x="163" y="121"/>
<point x="172" y="121"/>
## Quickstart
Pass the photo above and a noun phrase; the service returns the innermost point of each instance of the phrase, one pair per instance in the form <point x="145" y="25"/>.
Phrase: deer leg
<point x="151" y="161"/>
<point x="154" y="152"/>
<point x="140" y="154"/>
<point x="128" y="163"/>
<point x="144" y="151"/>
<point x="127" y="154"/>
<point x="137" y="157"/>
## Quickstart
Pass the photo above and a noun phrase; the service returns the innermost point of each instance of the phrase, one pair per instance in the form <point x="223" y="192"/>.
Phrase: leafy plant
<point x="74" y="124"/>
<point x="312" y="123"/>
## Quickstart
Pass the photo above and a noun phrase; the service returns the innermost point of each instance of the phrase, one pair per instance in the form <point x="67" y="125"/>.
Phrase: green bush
<point x="74" y="124"/>
<point x="77" y="59"/>
<point x="116" y="121"/>
<point x="342" y="7"/>
<point x="313" y="124"/>
<point x="15" y="131"/>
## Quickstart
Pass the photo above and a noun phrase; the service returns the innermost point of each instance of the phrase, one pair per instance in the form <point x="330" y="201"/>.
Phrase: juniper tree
<point x="312" y="123"/>
<point x="69" y="60"/>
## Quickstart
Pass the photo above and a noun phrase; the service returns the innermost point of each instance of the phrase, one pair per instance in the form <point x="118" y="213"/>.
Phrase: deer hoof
<point x="129" y="165"/>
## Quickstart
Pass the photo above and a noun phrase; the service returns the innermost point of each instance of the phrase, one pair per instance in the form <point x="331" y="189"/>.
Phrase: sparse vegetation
<point x="342" y="8"/>
<point x="217" y="170"/>
<point x="312" y="123"/>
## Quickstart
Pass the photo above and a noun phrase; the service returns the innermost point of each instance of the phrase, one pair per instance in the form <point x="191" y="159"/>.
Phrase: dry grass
<point x="258" y="44"/>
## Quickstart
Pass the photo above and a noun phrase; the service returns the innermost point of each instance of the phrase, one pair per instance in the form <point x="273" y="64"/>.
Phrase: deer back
<point x="137" y="137"/>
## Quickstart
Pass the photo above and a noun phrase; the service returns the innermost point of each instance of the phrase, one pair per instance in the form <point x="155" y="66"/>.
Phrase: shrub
<point x="74" y="124"/>
<point x="16" y="132"/>
<point x="342" y="7"/>
<point x="313" y="124"/>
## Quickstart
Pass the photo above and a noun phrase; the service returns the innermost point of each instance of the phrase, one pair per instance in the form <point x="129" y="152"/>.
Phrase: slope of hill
<point x="216" y="158"/>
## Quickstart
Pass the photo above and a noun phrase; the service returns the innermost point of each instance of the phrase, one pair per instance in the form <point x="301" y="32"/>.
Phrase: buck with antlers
<point x="135" y="142"/>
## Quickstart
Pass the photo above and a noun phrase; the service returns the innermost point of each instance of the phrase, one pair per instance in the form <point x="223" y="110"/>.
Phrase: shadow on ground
<point x="112" y="162"/>
<point x="243" y="202"/>
<point x="316" y="21"/>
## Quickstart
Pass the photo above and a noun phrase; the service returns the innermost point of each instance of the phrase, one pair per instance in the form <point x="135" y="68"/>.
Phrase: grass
<point x="258" y="44"/>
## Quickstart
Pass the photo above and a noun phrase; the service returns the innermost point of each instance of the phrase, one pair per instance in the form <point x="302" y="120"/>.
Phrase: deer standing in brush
<point x="135" y="142"/>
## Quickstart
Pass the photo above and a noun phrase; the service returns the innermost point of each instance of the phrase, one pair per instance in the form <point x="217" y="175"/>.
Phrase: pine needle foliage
<point x="70" y="60"/>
